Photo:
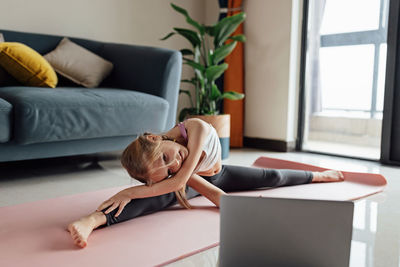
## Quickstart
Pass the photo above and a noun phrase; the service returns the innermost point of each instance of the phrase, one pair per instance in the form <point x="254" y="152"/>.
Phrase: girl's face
<point x="169" y="162"/>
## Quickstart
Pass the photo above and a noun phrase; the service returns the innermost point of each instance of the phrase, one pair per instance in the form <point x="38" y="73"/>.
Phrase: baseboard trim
<point x="269" y="144"/>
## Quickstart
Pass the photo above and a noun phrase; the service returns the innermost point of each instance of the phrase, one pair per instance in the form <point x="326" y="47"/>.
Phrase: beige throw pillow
<point x="1" y="38"/>
<point x="79" y="64"/>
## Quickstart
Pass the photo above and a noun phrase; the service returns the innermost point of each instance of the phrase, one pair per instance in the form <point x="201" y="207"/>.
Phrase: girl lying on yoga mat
<point x="179" y="165"/>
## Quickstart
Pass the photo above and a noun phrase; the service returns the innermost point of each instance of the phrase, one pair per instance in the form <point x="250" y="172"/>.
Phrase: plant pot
<point x="221" y="123"/>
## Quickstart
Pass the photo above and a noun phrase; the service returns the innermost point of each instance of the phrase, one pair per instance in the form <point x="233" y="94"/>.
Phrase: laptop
<point x="258" y="231"/>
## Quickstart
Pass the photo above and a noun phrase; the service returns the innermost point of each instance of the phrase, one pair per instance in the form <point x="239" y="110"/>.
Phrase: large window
<point x="345" y="76"/>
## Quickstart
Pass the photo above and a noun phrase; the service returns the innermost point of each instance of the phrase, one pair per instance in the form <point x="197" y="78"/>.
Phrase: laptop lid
<point x="256" y="231"/>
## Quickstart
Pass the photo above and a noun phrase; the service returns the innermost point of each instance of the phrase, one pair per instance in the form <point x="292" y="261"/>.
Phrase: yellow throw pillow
<point x="26" y="65"/>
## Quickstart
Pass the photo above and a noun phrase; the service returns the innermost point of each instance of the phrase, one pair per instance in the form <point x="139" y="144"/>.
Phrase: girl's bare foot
<point x="82" y="228"/>
<point x="327" y="176"/>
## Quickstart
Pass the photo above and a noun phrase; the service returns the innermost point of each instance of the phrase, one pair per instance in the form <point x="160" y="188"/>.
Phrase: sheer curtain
<point x="313" y="77"/>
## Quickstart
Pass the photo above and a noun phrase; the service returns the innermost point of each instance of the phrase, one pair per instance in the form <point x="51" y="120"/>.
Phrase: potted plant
<point x="209" y="49"/>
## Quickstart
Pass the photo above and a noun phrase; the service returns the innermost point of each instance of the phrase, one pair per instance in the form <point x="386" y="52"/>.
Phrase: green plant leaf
<point x="190" y="35"/>
<point x="202" y="82"/>
<point x="215" y="92"/>
<point x="231" y="95"/>
<point x="195" y="65"/>
<point x="198" y="70"/>
<point x="192" y="81"/>
<point x="189" y="20"/>
<point x="186" y="52"/>
<point x="186" y="92"/>
<point x="210" y="30"/>
<point x="238" y="37"/>
<point x="167" y="36"/>
<point x="185" y="112"/>
<point x="226" y="27"/>
<point x="213" y="72"/>
<point x="197" y="54"/>
<point x="210" y="55"/>
<point x="223" y="51"/>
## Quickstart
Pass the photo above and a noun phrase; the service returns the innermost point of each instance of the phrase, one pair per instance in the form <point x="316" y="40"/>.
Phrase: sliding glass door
<point x="344" y="66"/>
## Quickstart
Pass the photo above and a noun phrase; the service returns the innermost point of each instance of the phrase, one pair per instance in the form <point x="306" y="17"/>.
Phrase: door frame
<point x="392" y="84"/>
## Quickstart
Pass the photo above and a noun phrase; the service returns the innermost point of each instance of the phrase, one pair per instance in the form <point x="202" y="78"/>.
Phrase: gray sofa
<point x="139" y="95"/>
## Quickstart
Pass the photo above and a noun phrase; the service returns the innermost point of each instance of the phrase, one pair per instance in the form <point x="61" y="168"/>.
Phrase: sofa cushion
<point x="44" y="115"/>
<point x="5" y="120"/>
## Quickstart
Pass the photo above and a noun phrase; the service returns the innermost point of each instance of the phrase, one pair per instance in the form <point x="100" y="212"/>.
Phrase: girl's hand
<point x="119" y="201"/>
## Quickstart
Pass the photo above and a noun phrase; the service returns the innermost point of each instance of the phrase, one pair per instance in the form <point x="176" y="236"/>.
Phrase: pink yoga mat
<point x="33" y="234"/>
<point x="356" y="185"/>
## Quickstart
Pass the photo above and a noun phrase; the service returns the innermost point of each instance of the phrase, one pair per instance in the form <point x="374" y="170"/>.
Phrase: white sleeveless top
<point x="211" y="148"/>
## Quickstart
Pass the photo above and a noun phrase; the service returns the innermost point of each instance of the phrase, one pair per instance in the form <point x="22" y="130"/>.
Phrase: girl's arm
<point x="206" y="189"/>
<point x="197" y="131"/>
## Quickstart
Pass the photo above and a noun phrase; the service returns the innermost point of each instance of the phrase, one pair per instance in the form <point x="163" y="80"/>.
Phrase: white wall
<point x="211" y="11"/>
<point x="271" y="52"/>
<point x="142" y="22"/>
<point x="272" y="61"/>
<point x="126" y="21"/>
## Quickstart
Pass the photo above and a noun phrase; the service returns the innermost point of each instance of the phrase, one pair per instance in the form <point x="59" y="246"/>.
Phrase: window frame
<point x="374" y="37"/>
<point x="364" y="37"/>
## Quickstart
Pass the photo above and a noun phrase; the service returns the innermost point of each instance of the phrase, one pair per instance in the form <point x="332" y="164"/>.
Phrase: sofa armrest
<point x="151" y="70"/>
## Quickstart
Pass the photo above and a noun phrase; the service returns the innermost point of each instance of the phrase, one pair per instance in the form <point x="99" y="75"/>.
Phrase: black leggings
<point x="230" y="179"/>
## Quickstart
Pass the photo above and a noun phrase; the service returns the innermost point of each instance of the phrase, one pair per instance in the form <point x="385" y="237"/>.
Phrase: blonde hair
<point x="139" y="155"/>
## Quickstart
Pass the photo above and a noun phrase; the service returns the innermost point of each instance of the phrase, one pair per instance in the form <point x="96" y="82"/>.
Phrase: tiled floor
<point x="43" y="179"/>
<point x="358" y="151"/>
